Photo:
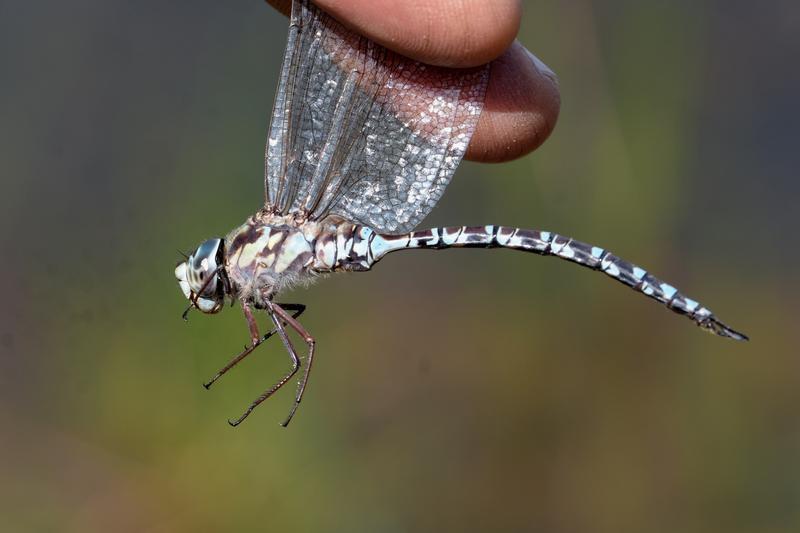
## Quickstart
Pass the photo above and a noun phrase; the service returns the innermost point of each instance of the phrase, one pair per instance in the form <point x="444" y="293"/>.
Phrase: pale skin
<point x="522" y="99"/>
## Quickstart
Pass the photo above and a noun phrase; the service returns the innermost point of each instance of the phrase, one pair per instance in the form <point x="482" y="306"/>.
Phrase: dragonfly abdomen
<point x="548" y="243"/>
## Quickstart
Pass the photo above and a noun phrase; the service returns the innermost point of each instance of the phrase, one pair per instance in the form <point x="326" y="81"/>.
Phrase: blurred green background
<point x="533" y="395"/>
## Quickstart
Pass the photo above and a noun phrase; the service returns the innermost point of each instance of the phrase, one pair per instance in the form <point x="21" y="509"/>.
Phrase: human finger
<point x="451" y="33"/>
<point x="520" y="110"/>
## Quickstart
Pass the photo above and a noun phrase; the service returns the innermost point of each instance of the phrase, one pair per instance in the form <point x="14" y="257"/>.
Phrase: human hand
<point x="522" y="99"/>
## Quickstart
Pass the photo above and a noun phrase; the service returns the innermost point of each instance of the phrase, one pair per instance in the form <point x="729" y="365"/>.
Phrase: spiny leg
<point x="278" y="317"/>
<point x="255" y="342"/>
<point x="301" y="386"/>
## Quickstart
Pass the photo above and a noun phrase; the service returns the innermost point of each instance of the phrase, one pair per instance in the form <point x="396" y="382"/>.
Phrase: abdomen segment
<point x="548" y="243"/>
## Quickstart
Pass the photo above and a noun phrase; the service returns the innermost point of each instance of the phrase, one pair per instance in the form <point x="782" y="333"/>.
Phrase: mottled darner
<point x="361" y="146"/>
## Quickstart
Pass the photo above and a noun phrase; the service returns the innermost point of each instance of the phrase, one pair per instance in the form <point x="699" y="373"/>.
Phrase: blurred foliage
<point x="455" y="391"/>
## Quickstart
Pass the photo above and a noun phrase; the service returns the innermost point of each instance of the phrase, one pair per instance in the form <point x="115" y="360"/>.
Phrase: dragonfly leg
<point x="255" y="341"/>
<point x="279" y="316"/>
<point x="309" y="340"/>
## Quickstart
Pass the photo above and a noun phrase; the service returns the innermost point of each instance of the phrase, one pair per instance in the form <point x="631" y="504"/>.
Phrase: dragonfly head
<point x="202" y="277"/>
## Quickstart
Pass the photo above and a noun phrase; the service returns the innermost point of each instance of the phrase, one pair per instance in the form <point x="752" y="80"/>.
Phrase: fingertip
<point x="452" y="33"/>
<point x="520" y="110"/>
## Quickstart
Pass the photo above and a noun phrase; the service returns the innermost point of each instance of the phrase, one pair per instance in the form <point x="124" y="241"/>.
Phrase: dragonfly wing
<point x="362" y="132"/>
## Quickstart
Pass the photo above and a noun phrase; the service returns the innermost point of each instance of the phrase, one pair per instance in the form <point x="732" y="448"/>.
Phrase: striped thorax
<point x="267" y="254"/>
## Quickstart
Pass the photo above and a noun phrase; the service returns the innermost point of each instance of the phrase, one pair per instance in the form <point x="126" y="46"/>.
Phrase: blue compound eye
<point x="202" y="264"/>
<point x="199" y="276"/>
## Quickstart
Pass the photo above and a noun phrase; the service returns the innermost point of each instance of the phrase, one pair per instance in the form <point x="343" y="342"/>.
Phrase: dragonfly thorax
<point x="268" y="254"/>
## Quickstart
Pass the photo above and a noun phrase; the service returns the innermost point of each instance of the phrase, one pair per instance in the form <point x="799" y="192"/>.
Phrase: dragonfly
<point x="361" y="145"/>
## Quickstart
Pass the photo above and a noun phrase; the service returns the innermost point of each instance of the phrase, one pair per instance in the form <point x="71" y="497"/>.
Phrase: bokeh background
<point x="455" y="391"/>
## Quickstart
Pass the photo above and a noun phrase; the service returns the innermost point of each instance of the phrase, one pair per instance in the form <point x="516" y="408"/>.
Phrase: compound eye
<point x="204" y="263"/>
<point x="204" y="258"/>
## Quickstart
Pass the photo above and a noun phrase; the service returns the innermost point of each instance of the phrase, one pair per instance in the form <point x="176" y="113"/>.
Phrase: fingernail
<point x="542" y="67"/>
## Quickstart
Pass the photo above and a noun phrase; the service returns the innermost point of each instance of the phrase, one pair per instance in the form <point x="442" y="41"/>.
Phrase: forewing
<point x="361" y="132"/>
